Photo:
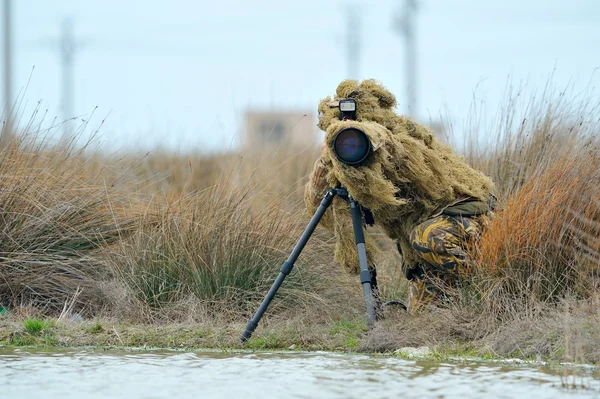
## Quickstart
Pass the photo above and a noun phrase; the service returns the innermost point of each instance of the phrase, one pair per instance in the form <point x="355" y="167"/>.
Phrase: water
<point x="132" y="374"/>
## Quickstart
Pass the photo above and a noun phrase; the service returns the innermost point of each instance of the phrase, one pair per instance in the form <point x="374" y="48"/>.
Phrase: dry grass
<point x="530" y="129"/>
<point x="542" y="245"/>
<point x="545" y="243"/>
<point x="223" y="251"/>
<point x="193" y="237"/>
<point x="207" y="232"/>
<point x="277" y="174"/>
<point x="54" y="217"/>
<point x="217" y="235"/>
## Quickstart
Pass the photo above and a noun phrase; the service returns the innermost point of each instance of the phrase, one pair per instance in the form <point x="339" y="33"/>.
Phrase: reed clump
<point x="545" y="243"/>
<point x="54" y="218"/>
<point x="542" y="245"/>
<point x="221" y="250"/>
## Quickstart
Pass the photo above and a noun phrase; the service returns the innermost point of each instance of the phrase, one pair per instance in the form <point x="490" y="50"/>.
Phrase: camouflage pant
<point x="440" y="244"/>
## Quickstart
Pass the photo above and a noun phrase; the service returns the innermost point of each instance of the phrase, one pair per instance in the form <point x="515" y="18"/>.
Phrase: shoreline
<point x="341" y="337"/>
<point x="402" y="353"/>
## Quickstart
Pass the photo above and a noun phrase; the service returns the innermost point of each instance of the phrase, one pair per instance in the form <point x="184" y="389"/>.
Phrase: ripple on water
<point x="136" y="374"/>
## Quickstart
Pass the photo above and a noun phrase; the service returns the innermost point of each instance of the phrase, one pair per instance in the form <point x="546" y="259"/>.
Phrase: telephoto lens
<point x="351" y="146"/>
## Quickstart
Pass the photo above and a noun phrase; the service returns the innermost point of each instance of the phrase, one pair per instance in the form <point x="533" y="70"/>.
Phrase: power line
<point x="405" y="25"/>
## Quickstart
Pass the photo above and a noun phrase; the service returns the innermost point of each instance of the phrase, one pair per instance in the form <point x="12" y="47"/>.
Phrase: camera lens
<point x="351" y="146"/>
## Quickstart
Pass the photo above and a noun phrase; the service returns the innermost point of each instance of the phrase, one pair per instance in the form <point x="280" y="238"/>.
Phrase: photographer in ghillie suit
<point x="419" y="192"/>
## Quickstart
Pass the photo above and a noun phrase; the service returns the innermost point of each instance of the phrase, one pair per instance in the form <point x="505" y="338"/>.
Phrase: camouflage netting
<point x="407" y="178"/>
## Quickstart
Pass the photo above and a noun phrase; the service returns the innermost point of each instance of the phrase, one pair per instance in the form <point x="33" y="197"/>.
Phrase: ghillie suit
<point x="422" y="194"/>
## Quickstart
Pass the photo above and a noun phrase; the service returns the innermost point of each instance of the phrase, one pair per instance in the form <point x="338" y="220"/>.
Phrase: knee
<point x="434" y="242"/>
<point x="423" y="239"/>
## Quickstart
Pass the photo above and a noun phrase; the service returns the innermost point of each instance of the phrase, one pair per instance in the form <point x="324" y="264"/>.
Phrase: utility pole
<point x="7" y="68"/>
<point x="405" y="25"/>
<point x="353" y="42"/>
<point x="67" y="48"/>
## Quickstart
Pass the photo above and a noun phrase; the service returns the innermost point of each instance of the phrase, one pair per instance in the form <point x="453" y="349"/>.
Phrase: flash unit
<point x="348" y="109"/>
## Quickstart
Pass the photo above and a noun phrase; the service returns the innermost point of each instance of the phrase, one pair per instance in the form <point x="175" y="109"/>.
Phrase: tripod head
<point x="341" y="192"/>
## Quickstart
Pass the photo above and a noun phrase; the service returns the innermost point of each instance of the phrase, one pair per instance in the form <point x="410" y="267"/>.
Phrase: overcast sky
<point x="181" y="73"/>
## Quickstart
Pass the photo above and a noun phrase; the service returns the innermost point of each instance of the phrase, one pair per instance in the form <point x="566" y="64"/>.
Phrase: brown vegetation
<point x="545" y="243"/>
<point x="55" y="217"/>
<point x="199" y="238"/>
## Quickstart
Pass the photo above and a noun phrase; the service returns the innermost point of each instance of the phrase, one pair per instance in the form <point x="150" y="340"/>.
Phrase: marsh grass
<point x="218" y="252"/>
<point x="96" y="328"/>
<point x="54" y="217"/>
<point x="543" y="243"/>
<point x="86" y="233"/>
<point x="167" y="237"/>
<point x="223" y="245"/>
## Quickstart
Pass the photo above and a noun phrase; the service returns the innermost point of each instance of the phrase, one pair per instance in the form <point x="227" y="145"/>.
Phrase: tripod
<point x="367" y="277"/>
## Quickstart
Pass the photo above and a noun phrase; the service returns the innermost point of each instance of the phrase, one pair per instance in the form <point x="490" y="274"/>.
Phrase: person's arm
<point x="314" y="191"/>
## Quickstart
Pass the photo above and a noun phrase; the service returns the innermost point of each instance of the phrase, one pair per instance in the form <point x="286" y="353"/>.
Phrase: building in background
<point x="273" y="127"/>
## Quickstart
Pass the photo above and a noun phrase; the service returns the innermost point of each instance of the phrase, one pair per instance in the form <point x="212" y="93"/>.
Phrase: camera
<point x="350" y="145"/>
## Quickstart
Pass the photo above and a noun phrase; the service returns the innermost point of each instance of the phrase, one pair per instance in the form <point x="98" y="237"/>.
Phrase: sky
<point x="180" y="74"/>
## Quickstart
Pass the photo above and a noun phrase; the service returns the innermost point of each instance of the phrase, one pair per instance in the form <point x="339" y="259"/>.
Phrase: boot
<point x="378" y="305"/>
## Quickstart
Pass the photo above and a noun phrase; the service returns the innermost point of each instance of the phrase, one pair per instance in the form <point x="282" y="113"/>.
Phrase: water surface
<point x="136" y="374"/>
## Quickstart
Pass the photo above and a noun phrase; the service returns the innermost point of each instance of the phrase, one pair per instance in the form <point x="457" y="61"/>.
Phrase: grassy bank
<point x="551" y="336"/>
<point x="177" y="250"/>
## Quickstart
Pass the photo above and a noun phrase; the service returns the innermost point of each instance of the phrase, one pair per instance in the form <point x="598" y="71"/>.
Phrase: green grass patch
<point x="352" y="343"/>
<point x="349" y="327"/>
<point x="349" y="331"/>
<point x="18" y="339"/>
<point x="268" y="341"/>
<point x="24" y="339"/>
<point x="35" y="326"/>
<point x="95" y="329"/>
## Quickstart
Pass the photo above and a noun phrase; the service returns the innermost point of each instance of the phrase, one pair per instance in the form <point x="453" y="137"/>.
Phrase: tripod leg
<point x="365" y="274"/>
<point x="288" y="265"/>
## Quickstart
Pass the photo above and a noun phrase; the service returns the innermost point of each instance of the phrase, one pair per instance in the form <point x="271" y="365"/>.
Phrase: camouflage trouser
<point x="440" y="244"/>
